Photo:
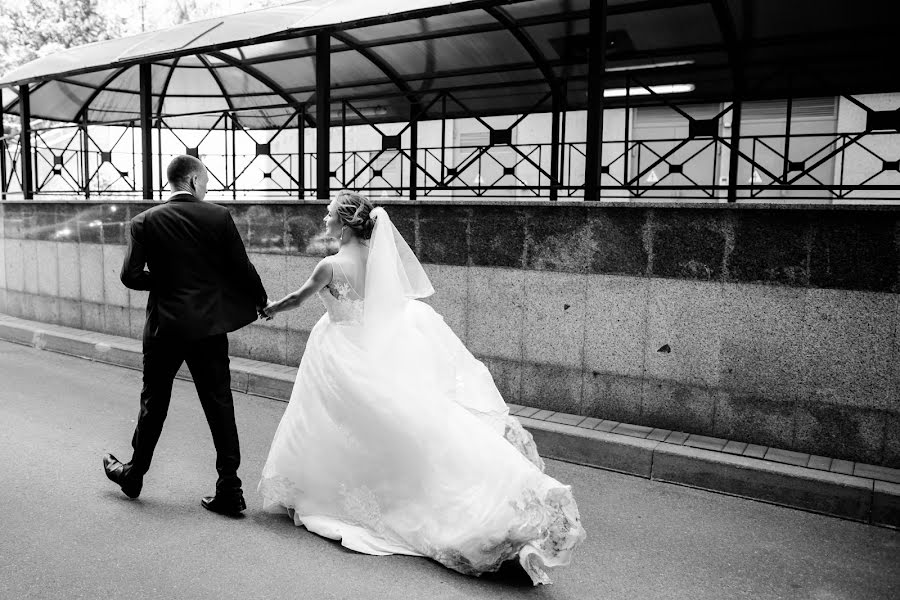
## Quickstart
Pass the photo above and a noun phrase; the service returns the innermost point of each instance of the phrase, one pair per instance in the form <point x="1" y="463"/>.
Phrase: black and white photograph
<point x="449" y="300"/>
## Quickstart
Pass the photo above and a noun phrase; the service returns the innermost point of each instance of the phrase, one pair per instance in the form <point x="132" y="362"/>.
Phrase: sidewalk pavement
<point x="855" y="491"/>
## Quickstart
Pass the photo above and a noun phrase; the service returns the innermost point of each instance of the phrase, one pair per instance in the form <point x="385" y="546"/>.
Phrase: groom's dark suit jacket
<point x="200" y="280"/>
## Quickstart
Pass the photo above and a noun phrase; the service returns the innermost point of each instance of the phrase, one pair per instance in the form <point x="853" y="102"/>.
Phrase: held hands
<point x="268" y="312"/>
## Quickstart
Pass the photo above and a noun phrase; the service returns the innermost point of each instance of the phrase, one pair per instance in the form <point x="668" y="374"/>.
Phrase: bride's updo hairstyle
<point x="353" y="210"/>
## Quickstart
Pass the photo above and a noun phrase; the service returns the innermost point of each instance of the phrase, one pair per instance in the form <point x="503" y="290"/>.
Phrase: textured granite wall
<point x="771" y="325"/>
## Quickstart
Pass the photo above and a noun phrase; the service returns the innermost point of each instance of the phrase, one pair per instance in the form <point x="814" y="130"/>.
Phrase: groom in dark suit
<point x="202" y="285"/>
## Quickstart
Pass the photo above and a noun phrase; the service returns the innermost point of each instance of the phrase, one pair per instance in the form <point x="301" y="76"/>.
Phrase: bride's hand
<point x="268" y="311"/>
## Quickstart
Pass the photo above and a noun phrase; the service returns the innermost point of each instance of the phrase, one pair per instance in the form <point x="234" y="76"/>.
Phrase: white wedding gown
<point x="413" y="451"/>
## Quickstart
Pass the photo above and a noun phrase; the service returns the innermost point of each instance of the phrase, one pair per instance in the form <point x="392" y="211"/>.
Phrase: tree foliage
<point x="35" y="28"/>
<point x="30" y="29"/>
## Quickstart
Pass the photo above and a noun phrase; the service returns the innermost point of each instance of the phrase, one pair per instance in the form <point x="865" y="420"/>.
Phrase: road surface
<point x="67" y="532"/>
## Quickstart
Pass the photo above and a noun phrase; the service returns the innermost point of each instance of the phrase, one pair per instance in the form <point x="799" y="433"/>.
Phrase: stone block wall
<point x="775" y="325"/>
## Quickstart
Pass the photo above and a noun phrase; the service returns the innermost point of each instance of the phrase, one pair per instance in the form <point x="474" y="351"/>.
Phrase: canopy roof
<point x="496" y="56"/>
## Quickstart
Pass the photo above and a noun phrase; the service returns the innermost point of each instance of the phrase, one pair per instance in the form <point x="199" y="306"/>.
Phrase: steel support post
<point x="596" y="76"/>
<point x="343" y="180"/>
<point x="85" y="155"/>
<point x="146" y="132"/>
<point x="323" y="115"/>
<point x="3" y="183"/>
<point x="556" y="110"/>
<point x="787" y="134"/>
<point x="736" y="59"/>
<point x="25" y="141"/>
<point x="414" y="109"/>
<point x="159" y="156"/>
<point x="301" y="150"/>
<point x="562" y="136"/>
<point x="626" y="174"/>
<point x="443" y="137"/>
<point x="735" y="145"/>
<point x="234" y="172"/>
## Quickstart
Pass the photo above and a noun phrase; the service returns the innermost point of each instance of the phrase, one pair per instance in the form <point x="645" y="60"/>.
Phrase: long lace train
<point x="418" y="456"/>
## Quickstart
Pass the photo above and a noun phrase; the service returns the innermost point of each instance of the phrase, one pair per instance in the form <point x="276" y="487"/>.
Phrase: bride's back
<point x="349" y="271"/>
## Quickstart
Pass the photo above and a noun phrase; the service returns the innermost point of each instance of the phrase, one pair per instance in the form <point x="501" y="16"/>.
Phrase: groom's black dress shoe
<point x="225" y="505"/>
<point x="115" y="470"/>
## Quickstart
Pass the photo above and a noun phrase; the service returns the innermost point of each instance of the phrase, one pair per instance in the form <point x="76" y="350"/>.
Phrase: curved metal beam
<point x="218" y="81"/>
<point x="525" y="42"/>
<point x="380" y="64"/>
<point x="262" y="78"/>
<point x="165" y="87"/>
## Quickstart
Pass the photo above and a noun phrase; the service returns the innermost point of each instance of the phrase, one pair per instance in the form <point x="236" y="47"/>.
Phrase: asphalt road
<point x="66" y="532"/>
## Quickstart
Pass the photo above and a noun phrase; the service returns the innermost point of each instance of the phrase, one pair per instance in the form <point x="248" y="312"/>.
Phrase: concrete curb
<point x="846" y="496"/>
<point x="858" y="498"/>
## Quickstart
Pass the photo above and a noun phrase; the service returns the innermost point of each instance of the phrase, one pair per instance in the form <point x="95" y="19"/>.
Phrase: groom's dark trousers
<point x="191" y="258"/>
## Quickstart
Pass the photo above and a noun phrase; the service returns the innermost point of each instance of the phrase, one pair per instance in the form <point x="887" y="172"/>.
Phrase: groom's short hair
<point x="182" y="167"/>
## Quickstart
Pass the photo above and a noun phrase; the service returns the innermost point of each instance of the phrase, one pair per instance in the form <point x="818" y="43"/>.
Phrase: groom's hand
<point x="264" y="312"/>
<point x="261" y="311"/>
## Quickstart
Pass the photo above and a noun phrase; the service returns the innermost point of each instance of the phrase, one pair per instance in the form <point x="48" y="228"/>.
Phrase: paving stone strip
<point x="841" y="488"/>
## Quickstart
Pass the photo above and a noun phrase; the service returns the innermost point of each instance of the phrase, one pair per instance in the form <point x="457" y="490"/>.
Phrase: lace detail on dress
<point x="340" y="290"/>
<point x="279" y="491"/>
<point x="559" y="536"/>
<point x="543" y="534"/>
<point x="342" y="302"/>
<point x="361" y="505"/>
<point x="522" y="441"/>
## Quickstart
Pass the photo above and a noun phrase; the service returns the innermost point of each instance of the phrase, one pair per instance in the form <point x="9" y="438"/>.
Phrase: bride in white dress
<point x="396" y="440"/>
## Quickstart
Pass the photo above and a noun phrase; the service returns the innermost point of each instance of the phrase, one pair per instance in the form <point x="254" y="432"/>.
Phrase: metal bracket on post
<point x="25" y="141"/>
<point x="596" y="76"/>
<point x="146" y="131"/>
<point x="323" y="115"/>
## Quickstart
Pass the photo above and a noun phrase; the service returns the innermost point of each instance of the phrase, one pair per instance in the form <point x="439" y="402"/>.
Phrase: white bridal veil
<point x="393" y="276"/>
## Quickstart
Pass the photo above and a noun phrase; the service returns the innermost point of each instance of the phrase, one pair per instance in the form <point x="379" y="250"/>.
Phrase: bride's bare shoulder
<point x="349" y="259"/>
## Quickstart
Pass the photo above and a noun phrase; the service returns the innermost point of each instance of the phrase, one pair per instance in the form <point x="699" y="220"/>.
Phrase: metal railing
<point x="72" y="161"/>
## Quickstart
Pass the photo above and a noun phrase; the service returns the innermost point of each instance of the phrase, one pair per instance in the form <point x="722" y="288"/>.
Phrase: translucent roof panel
<point x="668" y="28"/>
<point x="346" y="69"/>
<point x="177" y="105"/>
<point x="502" y="55"/>
<point x="94" y="79"/>
<point x="7" y="96"/>
<point x="298" y="72"/>
<point x="551" y="39"/>
<point x="238" y="82"/>
<point x="458" y="53"/>
<point x="492" y="80"/>
<point x="115" y="102"/>
<point x="60" y="99"/>
<point x="438" y="25"/>
<point x="188" y="81"/>
<point x="271" y="50"/>
<point x="541" y="8"/>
